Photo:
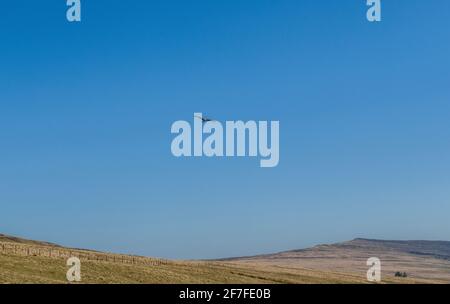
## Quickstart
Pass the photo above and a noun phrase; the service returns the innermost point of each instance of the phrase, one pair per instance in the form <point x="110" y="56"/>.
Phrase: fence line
<point x="84" y="255"/>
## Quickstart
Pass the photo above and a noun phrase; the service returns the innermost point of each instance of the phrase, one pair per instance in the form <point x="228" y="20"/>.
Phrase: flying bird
<point x="204" y="119"/>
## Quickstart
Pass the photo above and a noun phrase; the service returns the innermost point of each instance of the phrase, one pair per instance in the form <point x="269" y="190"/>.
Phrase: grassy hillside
<point x="427" y="261"/>
<point x="24" y="261"/>
<point x="19" y="269"/>
<point x="13" y="239"/>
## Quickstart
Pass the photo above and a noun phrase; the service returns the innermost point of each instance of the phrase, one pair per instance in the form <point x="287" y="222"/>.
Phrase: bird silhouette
<point x="204" y="119"/>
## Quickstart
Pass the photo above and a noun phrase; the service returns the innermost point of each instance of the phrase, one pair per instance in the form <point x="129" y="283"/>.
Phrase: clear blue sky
<point x="86" y="110"/>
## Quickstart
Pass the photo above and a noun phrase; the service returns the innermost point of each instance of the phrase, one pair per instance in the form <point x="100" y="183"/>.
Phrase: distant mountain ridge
<point x="419" y="259"/>
<point x="435" y="249"/>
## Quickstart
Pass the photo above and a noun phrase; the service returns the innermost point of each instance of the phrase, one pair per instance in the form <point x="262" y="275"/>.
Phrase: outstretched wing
<point x="204" y="119"/>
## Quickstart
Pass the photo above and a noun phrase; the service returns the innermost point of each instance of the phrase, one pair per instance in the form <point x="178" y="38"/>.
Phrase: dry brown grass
<point x="36" y="269"/>
<point x="26" y="262"/>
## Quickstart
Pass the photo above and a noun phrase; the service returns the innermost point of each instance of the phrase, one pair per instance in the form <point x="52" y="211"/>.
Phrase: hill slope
<point x="427" y="260"/>
<point x="26" y="261"/>
<point x="13" y="239"/>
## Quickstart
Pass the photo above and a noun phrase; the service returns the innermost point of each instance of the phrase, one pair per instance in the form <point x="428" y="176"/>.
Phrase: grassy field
<point x="25" y="269"/>
<point x="36" y="269"/>
<point x="23" y="261"/>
